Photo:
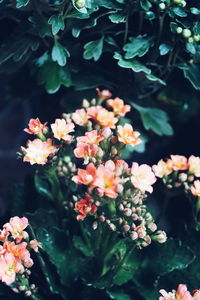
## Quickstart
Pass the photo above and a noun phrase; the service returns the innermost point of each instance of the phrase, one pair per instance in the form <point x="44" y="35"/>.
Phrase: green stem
<point x="126" y="30"/>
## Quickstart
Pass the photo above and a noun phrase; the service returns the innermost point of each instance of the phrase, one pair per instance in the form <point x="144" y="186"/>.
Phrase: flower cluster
<point x="15" y="259"/>
<point x="181" y="294"/>
<point x="114" y="193"/>
<point x="179" y="171"/>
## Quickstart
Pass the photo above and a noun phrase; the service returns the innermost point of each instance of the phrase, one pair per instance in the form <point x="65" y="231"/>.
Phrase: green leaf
<point x="145" y="4"/>
<point x="117" y="18"/>
<point x="93" y="49"/>
<point x="195" y="11"/>
<point x="112" y="4"/>
<point x="42" y="186"/>
<point x="165" y="48"/>
<point x="82" y="246"/>
<point x="133" y="64"/>
<point x="118" y="295"/>
<point x="155" y="78"/>
<point x="137" y="47"/>
<point x="53" y="76"/>
<point x="154" y="119"/>
<point x="57" y="23"/>
<point x="173" y="27"/>
<point x="59" y="54"/>
<point x="191" y="48"/>
<point x="192" y="73"/>
<point x="21" y="3"/>
<point x="196" y="28"/>
<point x="179" y="12"/>
<point x="150" y="15"/>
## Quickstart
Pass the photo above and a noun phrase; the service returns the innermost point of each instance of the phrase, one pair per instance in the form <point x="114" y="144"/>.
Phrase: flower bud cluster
<point x="15" y="259"/>
<point x="178" y="171"/>
<point x="113" y="192"/>
<point x="180" y="294"/>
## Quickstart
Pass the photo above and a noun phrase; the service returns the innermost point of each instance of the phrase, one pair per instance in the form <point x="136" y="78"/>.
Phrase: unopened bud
<point x="102" y="218"/>
<point x="126" y="228"/>
<point x="112" y="227"/>
<point x="28" y="293"/>
<point x="134" y="217"/>
<point x="95" y="225"/>
<point x="28" y="263"/>
<point x="133" y="235"/>
<point x="32" y="286"/>
<point x="121" y="207"/>
<point x="85" y="103"/>
<point x="160" y="237"/>
<point x="114" y="151"/>
<point x="22" y="287"/>
<point x="177" y="184"/>
<point x="127" y="212"/>
<point x="106" y="132"/>
<point x="152" y="227"/>
<point x="141" y="233"/>
<point x="182" y="177"/>
<point x="191" y="178"/>
<point x="75" y="198"/>
<point x="93" y="102"/>
<point x="15" y="290"/>
<point x="120" y="188"/>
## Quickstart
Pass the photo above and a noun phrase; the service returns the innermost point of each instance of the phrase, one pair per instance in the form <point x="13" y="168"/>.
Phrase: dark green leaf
<point x="195" y="11"/>
<point x="57" y="23"/>
<point x="41" y="25"/>
<point x="196" y="28"/>
<point x="118" y="295"/>
<point x="154" y="119"/>
<point x="179" y="12"/>
<point x="192" y="73"/>
<point x="21" y="3"/>
<point x="82" y="246"/>
<point x="149" y="15"/>
<point x="155" y="78"/>
<point x="117" y="18"/>
<point x="53" y="76"/>
<point x="145" y="4"/>
<point x="191" y="48"/>
<point x="93" y="49"/>
<point x="173" y="27"/>
<point x="137" y="47"/>
<point x="133" y="64"/>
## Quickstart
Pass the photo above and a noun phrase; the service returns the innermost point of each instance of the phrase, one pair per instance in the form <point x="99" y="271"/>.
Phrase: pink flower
<point x="102" y="116"/>
<point x="92" y="111"/>
<point x="142" y="177"/>
<point x="91" y="137"/>
<point x="35" y="245"/>
<point x="85" y="207"/>
<point x="85" y="151"/>
<point x="196" y="295"/>
<point x="16" y="227"/>
<point x="195" y="189"/>
<point x="61" y="130"/>
<point x="105" y="94"/>
<point x="194" y="165"/>
<point x="118" y="106"/>
<point x="3" y="235"/>
<point x="163" y="168"/>
<point x="106" y="180"/>
<point x="80" y="117"/>
<point x="85" y="176"/>
<point x="37" y="151"/>
<point x="9" y="266"/>
<point x="179" y="162"/>
<point x="35" y="126"/>
<point x="181" y="294"/>
<point x="127" y="136"/>
<point x="18" y="250"/>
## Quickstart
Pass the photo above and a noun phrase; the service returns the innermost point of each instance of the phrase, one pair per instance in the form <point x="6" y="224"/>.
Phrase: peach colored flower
<point x="127" y="136"/>
<point x="179" y="162"/>
<point x="85" y="207"/>
<point x="61" y="130"/>
<point x="9" y="266"/>
<point x="80" y="117"/>
<point x="35" y="126"/>
<point x="3" y="235"/>
<point x="105" y="94"/>
<point x="85" y="151"/>
<point x="142" y="177"/>
<point x="92" y="111"/>
<point x="106" y="181"/>
<point x="18" y="250"/>
<point x="181" y="294"/>
<point x="85" y="176"/>
<point x="118" y="106"/>
<point x="16" y="227"/>
<point x="163" y="168"/>
<point x="121" y="166"/>
<point x="106" y="118"/>
<point x="195" y="189"/>
<point x="37" y="151"/>
<point x="35" y="245"/>
<point x="194" y="165"/>
<point x="91" y="137"/>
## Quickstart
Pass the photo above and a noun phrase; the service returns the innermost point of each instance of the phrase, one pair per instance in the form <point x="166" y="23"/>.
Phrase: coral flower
<point x="195" y="189"/>
<point x="61" y="130"/>
<point x="85" y="176"/>
<point x="106" y="180"/>
<point x="91" y="137"/>
<point x="85" y="151"/>
<point x="181" y="294"/>
<point x="127" y="136"/>
<point x="106" y="118"/>
<point x="105" y="94"/>
<point x="16" y="227"/>
<point x="80" y="117"/>
<point x="35" y="126"/>
<point x="18" y="250"/>
<point x="118" y="106"/>
<point x="84" y="207"/>
<point x="142" y="177"/>
<point x="9" y="266"/>
<point x="194" y="165"/>
<point x="92" y="111"/>
<point x="163" y="168"/>
<point x="37" y="151"/>
<point x="179" y="162"/>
